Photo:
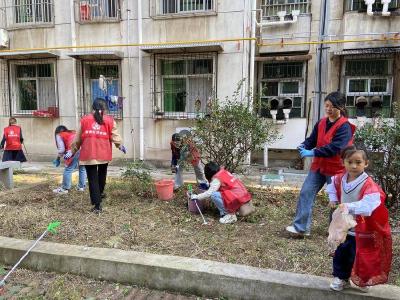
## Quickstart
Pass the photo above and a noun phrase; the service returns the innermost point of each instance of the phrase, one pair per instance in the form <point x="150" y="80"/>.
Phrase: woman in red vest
<point x="94" y="137"/>
<point x="329" y="137"/>
<point x="12" y="138"/>
<point x="64" y="138"/>
<point x="226" y="191"/>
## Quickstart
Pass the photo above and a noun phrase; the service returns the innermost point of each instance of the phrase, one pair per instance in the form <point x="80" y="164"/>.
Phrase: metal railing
<point x="30" y="12"/>
<point x="98" y="10"/>
<point x="270" y="8"/>
<point x="166" y="7"/>
<point x="359" y="5"/>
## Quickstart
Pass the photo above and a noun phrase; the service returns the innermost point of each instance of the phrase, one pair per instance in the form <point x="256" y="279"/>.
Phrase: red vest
<point x="13" y="137"/>
<point x="234" y="193"/>
<point x="329" y="166"/>
<point x="67" y="137"/>
<point x="194" y="153"/>
<point x="96" y="139"/>
<point x="373" y="239"/>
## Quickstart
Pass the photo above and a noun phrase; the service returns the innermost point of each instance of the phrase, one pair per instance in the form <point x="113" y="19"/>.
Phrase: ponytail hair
<point x="99" y="106"/>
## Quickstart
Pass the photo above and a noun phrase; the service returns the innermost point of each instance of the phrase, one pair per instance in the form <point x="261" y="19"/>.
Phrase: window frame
<point x="158" y="84"/>
<point x="14" y="85"/>
<point x="12" y="21"/>
<point x="265" y="7"/>
<point x="94" y="19"/>
<point x="349" y="6"/>
<point x="157" y="10"/>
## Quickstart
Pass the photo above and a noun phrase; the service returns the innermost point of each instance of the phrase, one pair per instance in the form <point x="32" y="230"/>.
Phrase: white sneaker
<point x="293" y="230"/>
<point x="339" y="284"/>
<point x="80" y="189"/>
<point x="364" y="289"/>
<point x="228" y="219"/>
<point x="60" y="191"/>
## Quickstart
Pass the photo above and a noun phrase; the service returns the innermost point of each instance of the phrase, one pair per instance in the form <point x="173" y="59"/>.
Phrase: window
<point x="101" y="79"/>
<point x="270" y="8"/>
<point x="32" y="12"/>
<point x="360" y="6"/>
<point x="183" y="85"/>
<point x="34" y="88"/>
<point x="282" y="81"/>
<point x="166" y="7"/>
<point x="368" y="81"/>
<point x="98" y="10"/>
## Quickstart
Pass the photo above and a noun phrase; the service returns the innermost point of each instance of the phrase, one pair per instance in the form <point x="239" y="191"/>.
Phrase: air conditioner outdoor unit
<point x="4" y="38"/>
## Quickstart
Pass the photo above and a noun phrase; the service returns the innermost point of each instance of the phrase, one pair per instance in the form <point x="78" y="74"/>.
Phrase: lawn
<point x="135" y="223"/>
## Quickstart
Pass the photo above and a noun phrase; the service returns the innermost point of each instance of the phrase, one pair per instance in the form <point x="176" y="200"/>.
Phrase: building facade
<point x="157" y="63"/>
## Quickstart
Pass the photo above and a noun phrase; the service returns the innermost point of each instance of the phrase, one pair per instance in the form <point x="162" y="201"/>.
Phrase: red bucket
<point x="165" y="189"/>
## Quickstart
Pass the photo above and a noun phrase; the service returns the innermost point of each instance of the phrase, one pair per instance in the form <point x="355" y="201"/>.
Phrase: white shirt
<point x="215" y="184"/>
<point x="365" y="206"/>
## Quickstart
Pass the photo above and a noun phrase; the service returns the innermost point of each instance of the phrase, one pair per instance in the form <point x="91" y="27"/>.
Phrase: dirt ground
<point x="133" y="223"/>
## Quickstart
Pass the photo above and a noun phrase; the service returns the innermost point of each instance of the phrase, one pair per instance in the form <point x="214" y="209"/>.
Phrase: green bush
<point x="140" y="179"/>
<point x="231" y="130"/>
<point x="383" y="146"/>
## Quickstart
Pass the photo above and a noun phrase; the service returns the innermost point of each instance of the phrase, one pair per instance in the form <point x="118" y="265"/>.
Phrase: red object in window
<point x="85" y="11"/>
<point x="42" y="114"/>
<point x="53" y="110"/>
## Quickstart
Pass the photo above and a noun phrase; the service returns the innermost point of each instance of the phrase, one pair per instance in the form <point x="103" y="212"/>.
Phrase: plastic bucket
<point x="165" y="189"/>
<point x="193" y="208"/>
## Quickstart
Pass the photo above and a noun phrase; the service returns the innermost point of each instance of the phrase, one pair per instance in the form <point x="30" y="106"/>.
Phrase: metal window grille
<point x="270" y="8"/>
<point x="30" y="12"/>
<point x="182" y="86"/>
<point x="92" y="87"/>
<point x="98" y="10"/>
<point x="4" y="89"/>
<point x="359" y="5"/>
<point x="33" y="88"/>
<point x="370" y="80"/>
<point x="165" y="7"/>
<point x="281" y="81"/>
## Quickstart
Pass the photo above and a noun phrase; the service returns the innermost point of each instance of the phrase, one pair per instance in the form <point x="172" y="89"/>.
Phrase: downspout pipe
<point x="73" y="43"/>
<point x="253" y="48"/>
<point x="141" y="101"/>
<point x="130" y="91"/>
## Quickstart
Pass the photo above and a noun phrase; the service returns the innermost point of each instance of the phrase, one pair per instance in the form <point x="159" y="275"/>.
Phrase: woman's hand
<point x="332" y="204"/>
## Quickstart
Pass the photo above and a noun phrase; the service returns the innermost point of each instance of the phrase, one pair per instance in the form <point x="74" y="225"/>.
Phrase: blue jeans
<point x="311" y="186"/>
<point x="67" y="176"/>
<point x="216" y="198"/>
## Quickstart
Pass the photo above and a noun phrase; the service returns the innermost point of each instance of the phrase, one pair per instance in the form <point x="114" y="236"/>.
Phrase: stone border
<point x="179" y="274"/>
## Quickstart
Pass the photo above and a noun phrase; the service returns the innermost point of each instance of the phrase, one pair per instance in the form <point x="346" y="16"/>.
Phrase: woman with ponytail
<point x="329" y="137"/>
<point x="94" y="137"/>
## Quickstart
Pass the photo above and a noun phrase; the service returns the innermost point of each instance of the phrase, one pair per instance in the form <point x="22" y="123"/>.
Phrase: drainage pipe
<point x="73" y="44"/>
<point x="141" y="101"/>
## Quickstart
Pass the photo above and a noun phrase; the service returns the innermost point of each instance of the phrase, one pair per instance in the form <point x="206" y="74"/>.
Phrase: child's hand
<point x="332" y="204"/>
<point x="194" y="197"/>
<point x="343" y="208"/>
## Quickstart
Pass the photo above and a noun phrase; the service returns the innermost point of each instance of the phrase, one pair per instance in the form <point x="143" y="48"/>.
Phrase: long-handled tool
<point x="50" y="228"/>
<point x="26" y="152"/>
<point x="190" y="191"/>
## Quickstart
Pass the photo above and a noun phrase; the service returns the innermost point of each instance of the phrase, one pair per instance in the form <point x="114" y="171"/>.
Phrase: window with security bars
<point x="281" y="81"/>
<point x="33" y="88"/>
<point x="369" y="86"/>
<point x="98" y="10"/>
<point x="100" y="80"/>
<point x="29" y="12"/>
<point x="270" y="8"/>
<point x="166" y="7"/>
<point x="360" y="6"/>
<point x="183" y="85"/>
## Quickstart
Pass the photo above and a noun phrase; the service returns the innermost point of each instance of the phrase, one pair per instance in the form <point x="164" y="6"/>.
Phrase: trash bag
<point x="340" y="225"/>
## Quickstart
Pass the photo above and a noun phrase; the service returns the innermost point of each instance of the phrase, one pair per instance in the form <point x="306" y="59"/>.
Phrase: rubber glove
<point x="306" y="153"/>
<point x="299" y="147"/>
<point x="203" y="186"/>
<point x="122" y="148"/>
<point x="68" y="155"/>
<point x="56" y="162"/>
<point x="194" y="197"/>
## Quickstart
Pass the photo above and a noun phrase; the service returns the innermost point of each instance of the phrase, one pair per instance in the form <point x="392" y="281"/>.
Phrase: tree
<point x="231" y="130"/>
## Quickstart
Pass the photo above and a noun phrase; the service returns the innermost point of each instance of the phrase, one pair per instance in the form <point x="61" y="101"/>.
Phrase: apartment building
<point x="61" y="55"/>
<point x="58" y="56"/>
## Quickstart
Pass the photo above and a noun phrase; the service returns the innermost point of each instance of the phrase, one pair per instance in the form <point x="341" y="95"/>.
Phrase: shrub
<point x="231" y="130"/>
<point x="140" y="179"/>
<point x="383" y="146"/>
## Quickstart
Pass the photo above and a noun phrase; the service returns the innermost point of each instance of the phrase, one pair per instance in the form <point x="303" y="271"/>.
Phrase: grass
<point x="135" y="223"/>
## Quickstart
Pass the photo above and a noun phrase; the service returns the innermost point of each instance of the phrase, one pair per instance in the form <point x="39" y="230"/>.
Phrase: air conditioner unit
<point x="4" y="38"/>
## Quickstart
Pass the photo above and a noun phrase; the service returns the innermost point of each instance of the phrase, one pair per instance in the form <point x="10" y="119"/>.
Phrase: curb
<point x="179" y="274"/>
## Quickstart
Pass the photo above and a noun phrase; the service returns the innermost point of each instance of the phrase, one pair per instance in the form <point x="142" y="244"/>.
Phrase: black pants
<point x="96" y="175"/>
<point x="344" y="258"/>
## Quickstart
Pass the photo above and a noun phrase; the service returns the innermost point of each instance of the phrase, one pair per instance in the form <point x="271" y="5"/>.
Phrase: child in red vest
<point x="365" y="256"/>
<point x="226" y="191"/>
<point x="175" y="151"/>
<point x="329" y="137"/>
<point x="64" y="138"/>
<point x="12" y="138"/>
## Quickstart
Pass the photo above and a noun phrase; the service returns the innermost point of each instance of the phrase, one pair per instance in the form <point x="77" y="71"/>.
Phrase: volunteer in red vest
<point x="94" y="137"/>
<point x="226" y="191"/>
<point x="12" y="138"/>
<point x="64" y="138"/>
<point x="329" y="137"/>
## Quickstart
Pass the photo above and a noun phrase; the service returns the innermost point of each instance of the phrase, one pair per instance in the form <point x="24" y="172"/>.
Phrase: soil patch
<point x="132" y="223"/>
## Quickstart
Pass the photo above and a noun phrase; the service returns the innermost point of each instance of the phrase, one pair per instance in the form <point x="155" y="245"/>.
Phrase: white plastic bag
<point x="340" y="225"/>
